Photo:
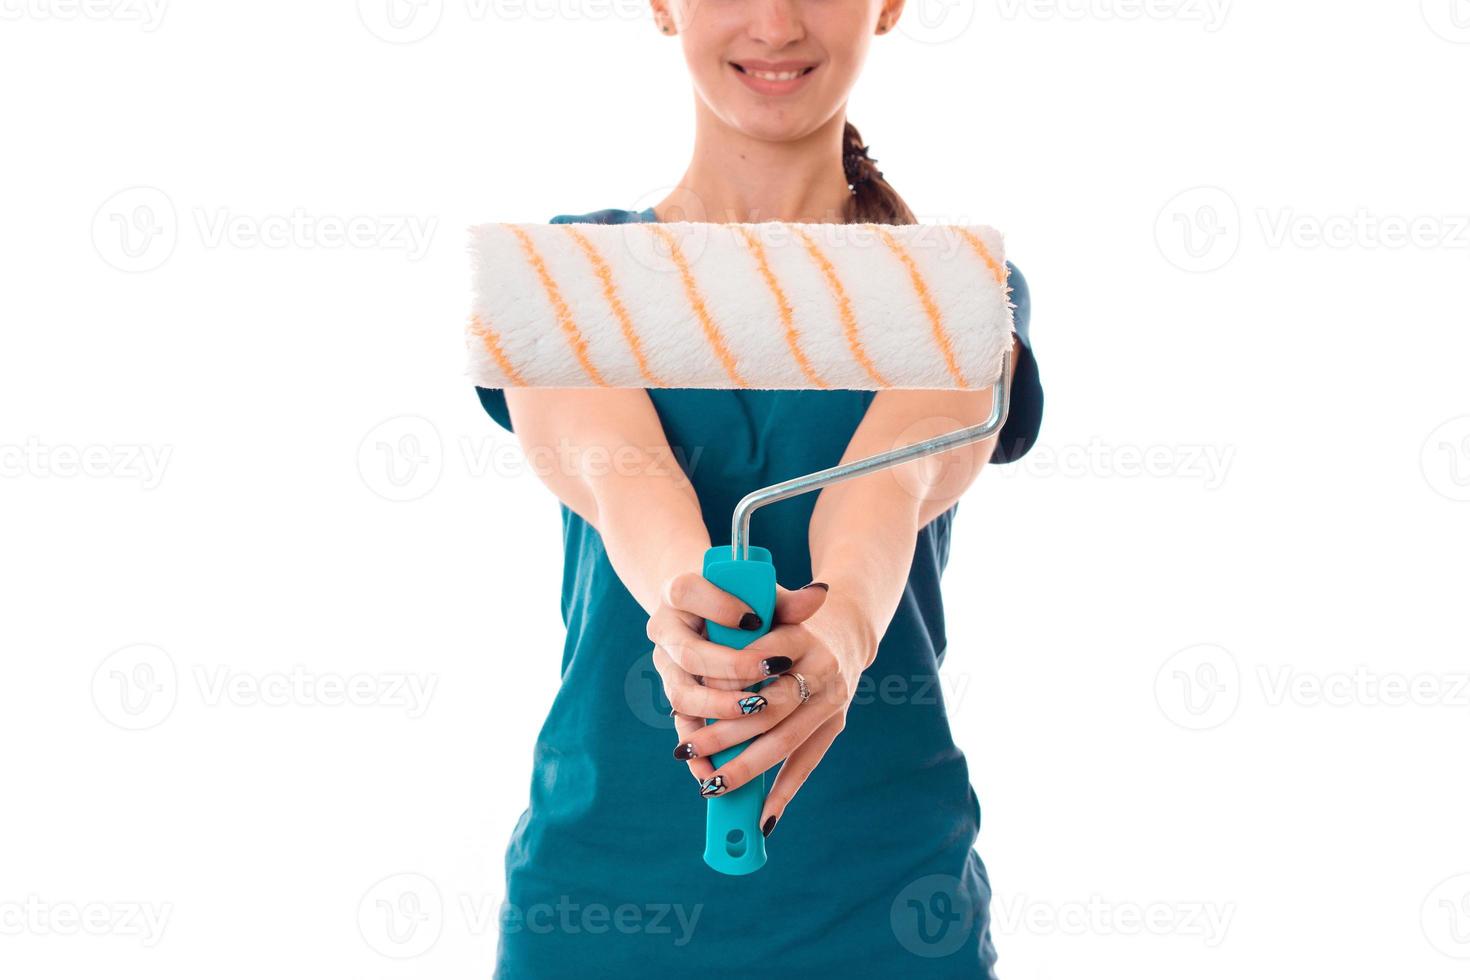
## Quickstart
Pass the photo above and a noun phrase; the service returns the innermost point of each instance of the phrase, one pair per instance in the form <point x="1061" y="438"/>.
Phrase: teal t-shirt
<point x="872" y="871"/>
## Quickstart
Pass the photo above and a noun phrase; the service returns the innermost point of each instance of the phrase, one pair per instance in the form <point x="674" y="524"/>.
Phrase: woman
<point x="872" y="874"/>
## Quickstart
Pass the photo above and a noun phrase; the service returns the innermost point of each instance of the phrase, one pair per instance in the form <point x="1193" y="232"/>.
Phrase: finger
<point x="785" y="646"/>
<point x="697" y="594"/>
<point x="687" y="728"/>
<point x="799" y="765"/>
<point x="668" y="621"/>
<point x="797" y="605"/>
<point x="761" y="712"/>
<point x="689" y="697"/>
<point x="720" y="666"/>
<point x="672" y="630"/>
<point x="763" y="752"/>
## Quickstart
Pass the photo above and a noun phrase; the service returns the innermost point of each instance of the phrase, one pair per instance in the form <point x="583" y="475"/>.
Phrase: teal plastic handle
<point x="733" y="843"/>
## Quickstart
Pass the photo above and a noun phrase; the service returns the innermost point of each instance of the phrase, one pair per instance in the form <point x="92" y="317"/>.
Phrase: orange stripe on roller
<point x="783" y="306"/>
<point x="844" y="308"/>
<point x="563" y="312"/>
<point x="996" y="269"/>
<point x="696" y="300"/>
<point x="931" y="308"/>
<point x="491" y="340"/>
<point x="610" y="292"/>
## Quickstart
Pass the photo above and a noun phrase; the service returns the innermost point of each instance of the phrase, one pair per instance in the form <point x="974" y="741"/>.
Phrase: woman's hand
<point x="704" y="680"/>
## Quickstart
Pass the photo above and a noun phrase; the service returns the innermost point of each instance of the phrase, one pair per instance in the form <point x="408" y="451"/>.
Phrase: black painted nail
<point x="775" y="665"/>
<point x="750" y="621"/>
<point x="713" y="786"/>
<point x="768" y="826"/>
<point x="686" y="751"/>
<point x="752" y="704"/>
<point x="817" y="585"/>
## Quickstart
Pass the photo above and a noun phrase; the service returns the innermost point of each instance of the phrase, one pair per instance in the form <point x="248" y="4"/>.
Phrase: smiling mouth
<point x="774" y="76"/>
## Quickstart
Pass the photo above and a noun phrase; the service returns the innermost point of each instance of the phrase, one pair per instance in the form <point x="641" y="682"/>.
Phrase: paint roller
<point x="766" y="305"/>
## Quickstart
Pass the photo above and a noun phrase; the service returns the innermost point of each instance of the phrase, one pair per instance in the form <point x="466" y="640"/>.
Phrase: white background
<point x="1221" y="685"/>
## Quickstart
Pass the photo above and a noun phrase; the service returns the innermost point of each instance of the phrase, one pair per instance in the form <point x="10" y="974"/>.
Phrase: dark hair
<point x="872" y="199"/>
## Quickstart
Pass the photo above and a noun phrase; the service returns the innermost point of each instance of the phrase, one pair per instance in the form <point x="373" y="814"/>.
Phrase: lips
<point x="773" y="77"/>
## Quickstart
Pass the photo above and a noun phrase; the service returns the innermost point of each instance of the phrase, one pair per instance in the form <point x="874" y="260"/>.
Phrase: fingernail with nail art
<point x="713" y="786"/>
<point x="775" y="665"/>
<point x="752" y="704"/>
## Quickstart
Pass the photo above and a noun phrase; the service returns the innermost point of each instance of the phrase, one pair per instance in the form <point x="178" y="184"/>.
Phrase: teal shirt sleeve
<point x="1023" y="422"/>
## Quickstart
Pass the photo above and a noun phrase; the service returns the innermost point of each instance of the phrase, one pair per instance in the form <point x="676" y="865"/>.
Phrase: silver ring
<point x="801" y="689"/>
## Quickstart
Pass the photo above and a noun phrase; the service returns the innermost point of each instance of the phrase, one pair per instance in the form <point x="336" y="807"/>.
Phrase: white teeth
<point x="775" y="76"/>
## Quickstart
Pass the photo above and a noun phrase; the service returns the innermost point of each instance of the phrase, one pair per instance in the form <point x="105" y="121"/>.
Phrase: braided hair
<point x="872" y="199"/>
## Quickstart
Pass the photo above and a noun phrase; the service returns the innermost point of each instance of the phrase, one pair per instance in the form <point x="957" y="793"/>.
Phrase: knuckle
<point x="681" y="588"/>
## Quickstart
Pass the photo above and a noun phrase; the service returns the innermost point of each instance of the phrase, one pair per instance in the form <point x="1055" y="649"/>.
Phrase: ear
<point x="888" y="15"/>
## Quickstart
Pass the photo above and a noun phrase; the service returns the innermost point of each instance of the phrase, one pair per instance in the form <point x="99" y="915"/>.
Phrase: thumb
<point x="797" y="605"/>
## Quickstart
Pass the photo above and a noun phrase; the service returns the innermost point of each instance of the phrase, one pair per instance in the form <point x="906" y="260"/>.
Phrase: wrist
<point x="848" y="629"/>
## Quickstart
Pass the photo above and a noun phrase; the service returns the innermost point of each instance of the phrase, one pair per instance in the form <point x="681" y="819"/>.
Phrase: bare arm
<point x="863" y="532"/>
<point x="603" y="452"/>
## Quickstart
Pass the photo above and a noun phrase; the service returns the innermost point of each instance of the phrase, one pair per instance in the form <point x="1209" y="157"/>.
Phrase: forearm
<point x="652" y="528"/>
<point x="604" y="454"/>
<point x="864" y="531"/>
<point x="862" y="538"/>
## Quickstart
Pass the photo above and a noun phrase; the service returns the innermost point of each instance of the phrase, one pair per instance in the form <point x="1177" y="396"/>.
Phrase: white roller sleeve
<point x="769" y="305"/>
